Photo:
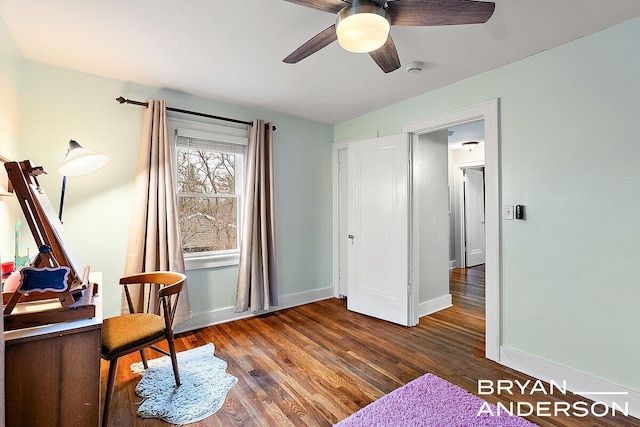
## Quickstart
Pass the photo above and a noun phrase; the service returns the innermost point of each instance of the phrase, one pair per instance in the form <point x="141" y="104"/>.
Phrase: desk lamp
<point x="78" y="161"/>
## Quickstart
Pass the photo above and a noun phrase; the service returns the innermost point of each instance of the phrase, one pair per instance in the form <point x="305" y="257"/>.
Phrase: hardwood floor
<point x="316" y="364"/>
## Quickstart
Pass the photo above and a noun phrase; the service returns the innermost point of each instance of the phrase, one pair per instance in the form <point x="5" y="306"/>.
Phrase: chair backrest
<point x="170" y="283"/>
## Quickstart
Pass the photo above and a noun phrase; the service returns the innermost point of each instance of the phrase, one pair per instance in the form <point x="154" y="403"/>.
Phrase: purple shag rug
<point x="433" y="402"/>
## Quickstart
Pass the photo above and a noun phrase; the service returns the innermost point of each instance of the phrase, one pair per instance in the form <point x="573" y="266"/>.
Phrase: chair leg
<point x="174" y="360"/>
<point x="144" y="358"/>
<point x="113" y="367"/>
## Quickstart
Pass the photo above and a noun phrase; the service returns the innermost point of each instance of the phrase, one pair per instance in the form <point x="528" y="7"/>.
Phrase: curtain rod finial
<point x="121" y="100"/>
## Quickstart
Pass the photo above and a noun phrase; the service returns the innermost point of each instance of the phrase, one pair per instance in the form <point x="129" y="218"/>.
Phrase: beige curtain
<point x="154" y="235"/>
<point x="257" y="284"/>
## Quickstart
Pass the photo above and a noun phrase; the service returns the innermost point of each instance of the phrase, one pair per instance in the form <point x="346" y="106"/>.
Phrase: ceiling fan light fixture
<point x="362" y="27"/>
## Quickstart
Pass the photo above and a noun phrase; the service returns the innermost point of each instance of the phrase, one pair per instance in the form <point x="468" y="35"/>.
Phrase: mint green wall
<point x="60" y="104"/>
<point x="10" y="125"/>
<point x="569" y="151"/>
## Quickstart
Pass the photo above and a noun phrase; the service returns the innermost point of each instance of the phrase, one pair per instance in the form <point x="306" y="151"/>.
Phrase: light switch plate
<point x="508" y="212"/>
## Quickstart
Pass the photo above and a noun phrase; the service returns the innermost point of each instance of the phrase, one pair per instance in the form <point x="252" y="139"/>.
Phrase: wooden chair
<point x="132" y="332"/>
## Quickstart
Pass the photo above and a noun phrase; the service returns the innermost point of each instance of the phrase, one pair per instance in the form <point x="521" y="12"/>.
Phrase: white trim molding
<point x="489" y="112"/>
<point x="459" y="179"/>
<point x="336" y="147"/>
<point x="429" y="307"/>
<point x="587" y="386"/>
<point x="226" y="314"/>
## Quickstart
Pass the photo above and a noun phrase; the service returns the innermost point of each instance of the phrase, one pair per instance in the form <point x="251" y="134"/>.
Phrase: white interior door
<point x="378" y="223"/>
<point x="474" y="217"/>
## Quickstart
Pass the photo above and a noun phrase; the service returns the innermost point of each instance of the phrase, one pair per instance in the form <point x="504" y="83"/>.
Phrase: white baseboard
<point x="576" y="382"/>
<point x="429" y="307"/>
<point x="452" y="264"/>
<point x="226" y="314"/>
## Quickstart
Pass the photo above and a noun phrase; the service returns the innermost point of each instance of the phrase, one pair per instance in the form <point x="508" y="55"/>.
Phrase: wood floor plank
<point x="316" y="364"/>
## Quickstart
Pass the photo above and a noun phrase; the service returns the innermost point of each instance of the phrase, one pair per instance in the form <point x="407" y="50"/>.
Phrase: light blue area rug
<point x="205" y="383"/>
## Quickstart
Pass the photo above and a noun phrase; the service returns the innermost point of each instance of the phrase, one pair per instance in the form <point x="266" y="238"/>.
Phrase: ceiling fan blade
<point x="387" y="56"/>
<point x="439" y="12"/>
<point x="316" y="43"/>
<point x="333" y="6"/>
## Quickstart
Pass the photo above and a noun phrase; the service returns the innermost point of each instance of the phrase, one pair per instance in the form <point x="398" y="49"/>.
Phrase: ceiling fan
<point x="363" y="25"/>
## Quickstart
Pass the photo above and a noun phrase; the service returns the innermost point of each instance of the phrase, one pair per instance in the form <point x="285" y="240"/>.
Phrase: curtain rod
<point x="122" y="100"/>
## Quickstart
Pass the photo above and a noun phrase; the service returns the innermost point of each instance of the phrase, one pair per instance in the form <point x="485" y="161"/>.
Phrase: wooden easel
<point x="75" y="299"/>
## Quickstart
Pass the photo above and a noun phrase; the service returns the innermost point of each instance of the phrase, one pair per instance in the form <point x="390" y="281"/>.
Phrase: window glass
<point x="209" y="179"/>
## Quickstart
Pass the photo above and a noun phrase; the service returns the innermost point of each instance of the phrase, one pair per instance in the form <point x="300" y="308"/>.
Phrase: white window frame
<point x="222" y="134"/>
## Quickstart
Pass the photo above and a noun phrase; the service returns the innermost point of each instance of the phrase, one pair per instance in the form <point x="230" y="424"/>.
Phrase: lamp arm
<point x="64" y="187"/>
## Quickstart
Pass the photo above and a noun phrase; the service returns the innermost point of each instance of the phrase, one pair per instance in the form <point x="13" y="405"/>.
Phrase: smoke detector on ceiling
<point x="414" y="67"/>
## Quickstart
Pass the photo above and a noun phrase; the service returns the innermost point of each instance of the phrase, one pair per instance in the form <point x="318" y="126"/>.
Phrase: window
<point x="209" y="179"/>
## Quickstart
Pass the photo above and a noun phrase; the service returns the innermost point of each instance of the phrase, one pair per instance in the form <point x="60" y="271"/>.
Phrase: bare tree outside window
<point x="207" y="200"/>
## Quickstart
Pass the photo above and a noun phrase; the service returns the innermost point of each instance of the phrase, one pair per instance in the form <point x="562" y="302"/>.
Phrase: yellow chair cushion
<point x="125" y="332"/>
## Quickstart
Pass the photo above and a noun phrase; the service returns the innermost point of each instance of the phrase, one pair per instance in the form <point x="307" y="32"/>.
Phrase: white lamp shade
<point x="80" y="161"/>
<point x="362" y="32"/>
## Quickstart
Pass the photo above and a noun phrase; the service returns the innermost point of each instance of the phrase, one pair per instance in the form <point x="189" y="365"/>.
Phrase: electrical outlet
<point x="508" y="212"/>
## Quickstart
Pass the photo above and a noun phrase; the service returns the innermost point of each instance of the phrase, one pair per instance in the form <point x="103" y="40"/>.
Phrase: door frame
<point x="489" y="112"/>
<point x="465" y="226"/>
<point x="459" y="170"/>
<point x="336" y="147"/>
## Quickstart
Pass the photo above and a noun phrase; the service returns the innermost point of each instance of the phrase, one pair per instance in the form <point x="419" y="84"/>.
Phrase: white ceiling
<point x="473" y="131"/>
<point x="232" y="50"/>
